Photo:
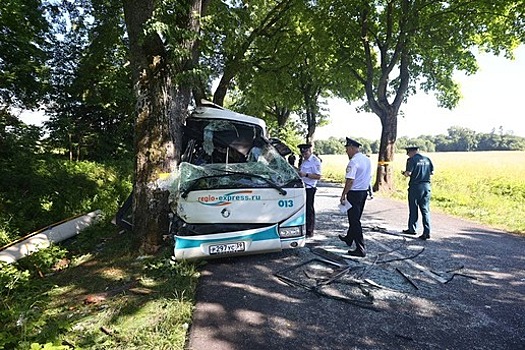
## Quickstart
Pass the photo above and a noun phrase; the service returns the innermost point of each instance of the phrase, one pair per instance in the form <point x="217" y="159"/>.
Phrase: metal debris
<point x="412" y="263"/>
<point x="407" y="278"/>
<point x="438" y="273"/>
<point x="335" y="258"/>
<point x="318" y="287"/>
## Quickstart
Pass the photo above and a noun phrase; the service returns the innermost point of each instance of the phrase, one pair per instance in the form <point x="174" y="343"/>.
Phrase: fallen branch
<point x="106" y="331"/>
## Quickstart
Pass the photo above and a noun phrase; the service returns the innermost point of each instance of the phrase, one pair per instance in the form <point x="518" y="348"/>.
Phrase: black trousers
<point x="355" y="231"/>
<point x="310" y="211"/>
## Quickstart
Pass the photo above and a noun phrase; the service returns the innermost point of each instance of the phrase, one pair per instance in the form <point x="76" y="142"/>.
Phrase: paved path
<point x="463" y="289"/>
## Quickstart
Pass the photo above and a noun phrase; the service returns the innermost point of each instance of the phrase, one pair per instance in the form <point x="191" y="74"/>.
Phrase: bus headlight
<point x="287" y="232"/>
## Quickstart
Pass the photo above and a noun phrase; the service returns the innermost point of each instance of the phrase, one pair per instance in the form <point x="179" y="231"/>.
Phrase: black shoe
<point x="344" y="239"/>
<point x="424" y="236"/>
<point x="408" y="232"/>
<point x="356" y="253"/>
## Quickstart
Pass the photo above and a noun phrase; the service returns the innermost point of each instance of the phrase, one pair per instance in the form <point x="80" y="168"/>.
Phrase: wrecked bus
<point x="235" y="193"/>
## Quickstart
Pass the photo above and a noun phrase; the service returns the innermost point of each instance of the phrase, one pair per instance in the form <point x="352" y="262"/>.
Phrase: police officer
<point x="418" y="168"/>
<point x="310" y="173"/>
<point x="358" y="173"/>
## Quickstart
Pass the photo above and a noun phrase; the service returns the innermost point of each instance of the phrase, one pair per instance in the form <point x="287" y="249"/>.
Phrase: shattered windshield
<point x="264" y="168"/>
<point x="222" y="153"/>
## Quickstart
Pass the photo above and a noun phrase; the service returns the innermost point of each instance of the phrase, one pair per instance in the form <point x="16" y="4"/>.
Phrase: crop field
<point x="487" y="187"/>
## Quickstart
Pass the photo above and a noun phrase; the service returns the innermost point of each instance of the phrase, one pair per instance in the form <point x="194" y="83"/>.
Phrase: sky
<point x="492" y="98"/>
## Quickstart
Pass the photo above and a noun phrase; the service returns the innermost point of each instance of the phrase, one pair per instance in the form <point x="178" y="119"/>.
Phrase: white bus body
<point x="236" y="194"/>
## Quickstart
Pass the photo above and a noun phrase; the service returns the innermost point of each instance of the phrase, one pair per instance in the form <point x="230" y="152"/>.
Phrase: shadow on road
<point x="463" y="289"/>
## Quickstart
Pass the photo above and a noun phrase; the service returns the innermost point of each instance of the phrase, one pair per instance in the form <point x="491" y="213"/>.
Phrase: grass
<point x="487" y="187"/>
<point x="106" y="297"/>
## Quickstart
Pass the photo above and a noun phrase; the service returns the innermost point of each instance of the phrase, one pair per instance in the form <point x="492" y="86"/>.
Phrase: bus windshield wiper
<point x="188" y="189"/>
<point x="194" y="182"/>
<point x="281" y="190"/>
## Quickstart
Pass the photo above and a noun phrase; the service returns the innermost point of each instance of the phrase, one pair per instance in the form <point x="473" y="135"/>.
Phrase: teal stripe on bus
<point x="270" y="233"/>
<point x="300" y="220"/>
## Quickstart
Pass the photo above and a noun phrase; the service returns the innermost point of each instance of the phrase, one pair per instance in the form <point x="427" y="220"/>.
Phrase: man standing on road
<point x="310" y="173"/>
<point x="418" y="168"/>
<point x="358" y="173"/>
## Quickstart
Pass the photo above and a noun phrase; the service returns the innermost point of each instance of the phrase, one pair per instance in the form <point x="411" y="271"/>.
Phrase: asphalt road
<point x="463" y="289"/>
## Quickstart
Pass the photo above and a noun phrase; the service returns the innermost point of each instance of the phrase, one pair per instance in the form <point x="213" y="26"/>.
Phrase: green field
<point x="487" y="187"/>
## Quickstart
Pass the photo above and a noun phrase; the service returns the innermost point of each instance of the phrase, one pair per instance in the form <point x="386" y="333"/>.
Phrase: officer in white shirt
<point x="310" y="173"/>
<point x="358" y="173"/>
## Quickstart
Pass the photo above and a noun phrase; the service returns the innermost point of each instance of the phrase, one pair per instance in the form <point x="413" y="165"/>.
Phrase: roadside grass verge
<point x="487" y="187"/>
<point x="94" y="292"/>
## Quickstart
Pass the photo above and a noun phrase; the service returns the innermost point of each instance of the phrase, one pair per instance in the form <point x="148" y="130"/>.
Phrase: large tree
<point x="279" y="81"/>
<point x="162" y="39"/>
<point x="396" y="47"/>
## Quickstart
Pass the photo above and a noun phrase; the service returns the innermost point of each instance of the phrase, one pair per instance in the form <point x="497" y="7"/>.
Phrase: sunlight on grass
<point x="113" y="273"/>
<point x="106" y="299"/>
<point x="149" y="282"/>
<point x="147" y="325"/>
<point x="79" y="260"/>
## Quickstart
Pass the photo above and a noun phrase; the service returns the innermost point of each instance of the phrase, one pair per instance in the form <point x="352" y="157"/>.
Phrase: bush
<point x="38" y="191"/>
<point x="13" y="282"/>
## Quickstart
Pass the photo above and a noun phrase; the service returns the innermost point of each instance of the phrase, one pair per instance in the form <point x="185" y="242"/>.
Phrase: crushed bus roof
<point x="225" y="114"/>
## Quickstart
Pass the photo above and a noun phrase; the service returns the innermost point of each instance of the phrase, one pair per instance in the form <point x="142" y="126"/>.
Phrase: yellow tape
<point x="381" y="162"/>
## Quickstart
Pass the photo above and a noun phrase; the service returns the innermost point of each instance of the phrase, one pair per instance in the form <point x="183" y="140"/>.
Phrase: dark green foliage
<point x="23" y="33"/>
<point x="22" y="294"/>
<point x="466" y="141"/>
<point x="16" y="138"/>
<point x="331" y="146"/>
<point x="36" y="191"/>
<point x="44" y="261"/>
<point x="92" y="117"/>
<point x="461" y="139"/>
<point x="12" y="280"/>
<point x="25" y="287"/>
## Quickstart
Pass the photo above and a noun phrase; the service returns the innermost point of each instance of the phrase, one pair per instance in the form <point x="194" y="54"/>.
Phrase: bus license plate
<point x="227" y="248"/>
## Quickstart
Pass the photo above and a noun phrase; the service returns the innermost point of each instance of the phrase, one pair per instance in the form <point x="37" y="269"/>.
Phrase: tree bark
<point x="376" y="84"/>
<point x="161" y="109"/>
<point x="222" y="88"/>
<point x="384" y="180"/>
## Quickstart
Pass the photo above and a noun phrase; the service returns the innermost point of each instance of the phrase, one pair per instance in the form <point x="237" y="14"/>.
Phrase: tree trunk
<point x="222" y="88"/>
<point x="282" y="114"/>
<point x="154" y="149"/>
<point x="384" y="178"/>
<point x="70" y="147"/>
<point x="310" y="95"/>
